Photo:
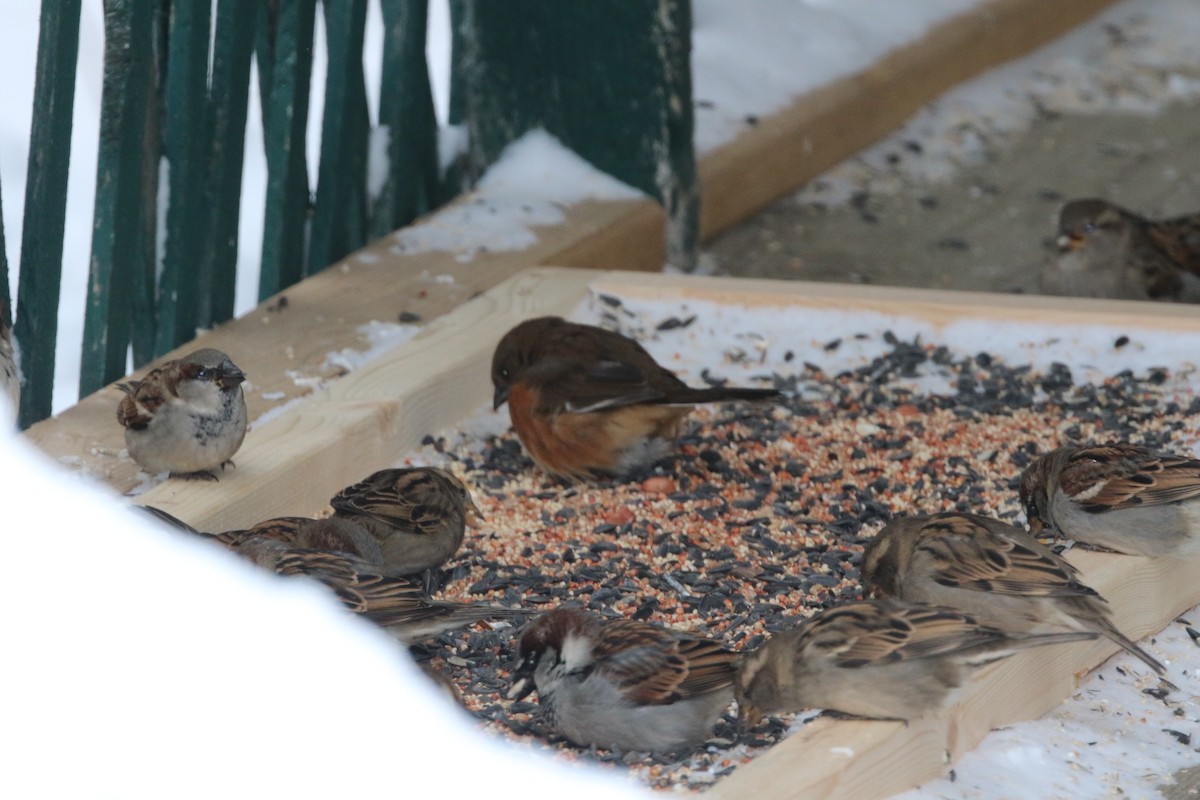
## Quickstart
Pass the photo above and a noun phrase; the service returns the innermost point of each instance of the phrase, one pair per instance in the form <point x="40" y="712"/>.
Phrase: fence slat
<point x="233" y="48"/>
<point x="36" y="324"/>
<point x="5" y="290"/>
<point x="123" y="229"/>
<point x="677" y="187"/>
<point x="340" y="211"/>
<point x="605" y="77"/>
<point x="183" y="295"/>
<point x="407" y="115"/>
<point x="284" y="129"/>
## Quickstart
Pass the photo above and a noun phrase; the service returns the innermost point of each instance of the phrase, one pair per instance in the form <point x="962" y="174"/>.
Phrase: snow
<point x="534" y="178"/>
<point x="752" y="57"/>
<point x="153" y="665"/>
<point x="1109" y="739"/>
<point x="1136" y="57"/>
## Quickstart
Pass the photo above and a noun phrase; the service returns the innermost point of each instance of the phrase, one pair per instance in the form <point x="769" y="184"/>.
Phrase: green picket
<point x="609" y="78"/>
<point x="287" y="203"/>
<point x="183" y="288"/>
<point x="122" y="262"/>
<point x="233" y="48"/>
<point x="407" y="115"/>
<point x="5" y="290"/>
<point x="36" y="324"/>
<point x="339" y="213"/>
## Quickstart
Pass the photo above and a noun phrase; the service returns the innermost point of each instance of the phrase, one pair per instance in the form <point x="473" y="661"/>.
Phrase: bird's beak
<point x="500" y="397"/>
<point x="522" y="678"/>
<point x="522" y="687"/>
<point x="1068" y="242"/>
<point x="231" y="377"/>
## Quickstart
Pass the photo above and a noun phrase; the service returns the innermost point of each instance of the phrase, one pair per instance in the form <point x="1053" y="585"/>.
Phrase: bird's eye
<point x="504" y="373"/>
<point x="1089" y="227"/>
<point x="202" y="373"/>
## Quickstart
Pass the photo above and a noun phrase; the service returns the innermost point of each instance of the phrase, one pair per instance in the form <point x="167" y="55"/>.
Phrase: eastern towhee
<point x="587" y="401"/>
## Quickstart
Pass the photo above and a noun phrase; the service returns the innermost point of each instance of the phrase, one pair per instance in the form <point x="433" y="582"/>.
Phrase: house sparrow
<point x="994" y="571"/>
<point x="623" y="684"/>
<point x="417" y="515"/>
<point x="399" y="605"/>
<point x="586" y="401"/>
<point x="187" y="417"/>
<point x="881" y="659"/>
<point x="346" y="558"/>
<point x="1124" y="497"/>
<point x="1107" y="251"/>
<point x="10" y="375"/>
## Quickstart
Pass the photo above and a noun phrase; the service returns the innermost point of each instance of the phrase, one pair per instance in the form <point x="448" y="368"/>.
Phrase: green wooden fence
<point x="611" y="78"/>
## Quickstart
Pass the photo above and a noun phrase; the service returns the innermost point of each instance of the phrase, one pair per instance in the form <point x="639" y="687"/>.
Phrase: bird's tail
<point x="721" y="394"/>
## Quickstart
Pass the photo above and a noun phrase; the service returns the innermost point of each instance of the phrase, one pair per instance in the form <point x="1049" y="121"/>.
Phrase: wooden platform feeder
<point x="311" y="437"/>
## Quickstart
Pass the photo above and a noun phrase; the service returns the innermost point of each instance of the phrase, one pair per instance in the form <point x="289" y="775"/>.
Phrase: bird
<point x="991" y="569"/>
<point x="1123" y="497"/>
<point x="623" y="684"/>
<point x="587" y="402"/>
<point x="10" y="374"/>
<point x="878" y="659"/>
<point x="418" y="515"/>
<point x="1108" y="251"/>
<point x="186" y="417"/>
<point x="345" y="558"/>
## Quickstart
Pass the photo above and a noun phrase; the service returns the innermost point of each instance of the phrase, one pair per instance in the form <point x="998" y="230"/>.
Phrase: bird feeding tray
<point x="906" y="401"/>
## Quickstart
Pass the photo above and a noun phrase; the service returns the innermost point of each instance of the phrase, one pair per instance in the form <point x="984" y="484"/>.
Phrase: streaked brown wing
<point x="1179" y="239"/>
<point x="972" y="554"/>
<point x="1126" y="476"/>
<point x="655" y="665"/>
<point x="861" y="634"/>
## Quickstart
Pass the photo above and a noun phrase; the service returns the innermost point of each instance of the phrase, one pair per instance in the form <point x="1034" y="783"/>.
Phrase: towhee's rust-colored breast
<point x="587" y="401"/>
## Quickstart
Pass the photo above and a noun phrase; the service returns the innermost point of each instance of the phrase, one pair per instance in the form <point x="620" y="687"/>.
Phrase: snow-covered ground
<point x="145" y="665"/>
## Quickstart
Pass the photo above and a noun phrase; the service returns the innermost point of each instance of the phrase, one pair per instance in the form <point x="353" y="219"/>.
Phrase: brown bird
<point x="880" y="659"/>
<point x="418" y="515"/>
<point x="346" y="558"/>
<point x="623" y="684"/>
<point x="1123" y="497"/>
<point x="994" y="571"/>
<point x="186" y="417"/>
<point x="1108" y="251"/>
<point x="586" y="401"/>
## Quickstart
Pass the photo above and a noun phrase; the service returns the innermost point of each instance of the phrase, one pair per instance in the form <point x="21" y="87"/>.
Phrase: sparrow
<point x="586" y="401"/>
<point x="345" y="558"/>
<point x="417" y="515"/>
<point x="398" y="605"/>
<point x="10" y="375"/>
<point x="990" y="569"/>
<point x="880" y="659"/>
<point x="623" y="684"/>
<point x="187" y="417"/>
<point x="1123" y="497"/>
<point x="1108" y="251"/>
